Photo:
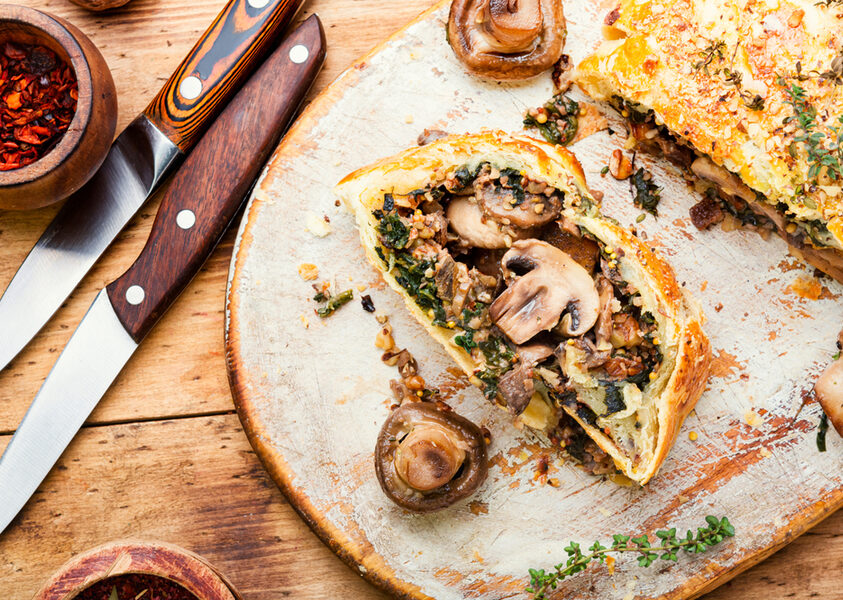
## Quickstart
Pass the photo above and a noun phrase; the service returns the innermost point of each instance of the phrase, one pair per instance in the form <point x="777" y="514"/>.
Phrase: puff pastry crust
<point x="719" y="75"/>
<point x="677" y="382"/>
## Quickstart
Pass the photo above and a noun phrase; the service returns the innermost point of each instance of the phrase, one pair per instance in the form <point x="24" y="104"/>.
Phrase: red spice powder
<point x="38" y="98"/>
<point x="135" y="587"/>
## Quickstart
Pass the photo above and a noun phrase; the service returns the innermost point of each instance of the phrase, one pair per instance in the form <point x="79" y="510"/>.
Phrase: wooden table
<point x="164" y="456"/>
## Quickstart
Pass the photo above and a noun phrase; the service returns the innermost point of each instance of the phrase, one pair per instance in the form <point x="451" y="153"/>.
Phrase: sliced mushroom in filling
<point x="540" y="304"/>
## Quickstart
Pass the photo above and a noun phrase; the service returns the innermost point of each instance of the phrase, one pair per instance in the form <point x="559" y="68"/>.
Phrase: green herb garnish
<point x="668" y="549"/>
<point x="334" y="302"/>
<point x="714" y="51"/>
<point x="646" y="195"/>
<point x="823" y="152"/>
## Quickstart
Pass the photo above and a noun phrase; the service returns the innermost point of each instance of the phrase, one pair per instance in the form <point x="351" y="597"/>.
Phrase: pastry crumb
<point x="304" y="321"/>
<point x="752" y="418"/>
<point x="317" y="225"/>
<point x="765" y="452"/>
<point x="308" y="271"/>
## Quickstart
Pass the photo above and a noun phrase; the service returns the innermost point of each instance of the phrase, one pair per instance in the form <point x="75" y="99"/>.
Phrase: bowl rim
<point x="133" y="556"/>
<point x="67" y="37"/>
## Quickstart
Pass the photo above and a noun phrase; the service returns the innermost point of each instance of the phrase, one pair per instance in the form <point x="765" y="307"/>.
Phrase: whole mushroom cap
<point x="507" y="39"/>
<point x="427" y="459"/>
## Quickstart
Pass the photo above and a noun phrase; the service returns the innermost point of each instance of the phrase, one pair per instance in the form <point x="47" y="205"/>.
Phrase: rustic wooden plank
<point x="211" y="496"/>
<point x="180" y="368"/>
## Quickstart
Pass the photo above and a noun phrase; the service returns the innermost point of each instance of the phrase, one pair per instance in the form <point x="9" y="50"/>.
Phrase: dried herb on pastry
<point x="507" y="39"/>
<point x="555" y="312"/>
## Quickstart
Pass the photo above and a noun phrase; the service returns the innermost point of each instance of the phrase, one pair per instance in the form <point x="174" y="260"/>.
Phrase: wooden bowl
<point x="85" y="144"/>
<point x="181" y="566"/>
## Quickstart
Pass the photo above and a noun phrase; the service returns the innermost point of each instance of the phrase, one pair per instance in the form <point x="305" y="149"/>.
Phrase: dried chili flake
<point x="130" y="587"/>
<point x="38" y="98"/>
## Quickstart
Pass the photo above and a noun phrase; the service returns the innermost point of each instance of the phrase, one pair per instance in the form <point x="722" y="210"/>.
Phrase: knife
<point x="149" y="149"/>
<point x="195" y="211"/>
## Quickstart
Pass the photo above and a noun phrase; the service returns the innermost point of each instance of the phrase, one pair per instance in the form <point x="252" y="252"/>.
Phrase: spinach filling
<point x="413" y="274"/>
<point x="499" y="359"/>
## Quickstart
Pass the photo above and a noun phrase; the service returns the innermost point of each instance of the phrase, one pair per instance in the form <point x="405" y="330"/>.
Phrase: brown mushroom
<point x="554" y="283"/>
<point x="507" y="39"/>
<point x="605" y="323"/>
<point x="501" y="204"/>
<point x="728" y="183"/>
<point x="474" y="229"/>
<point x="829" y="390"/>
<point x="427" y="459"/>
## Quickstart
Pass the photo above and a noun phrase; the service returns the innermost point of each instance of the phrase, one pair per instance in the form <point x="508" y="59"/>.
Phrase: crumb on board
<point x="304" y="321"/>
<point x="765" y="452"/>
<point x="752" y="418"/>
<point x="409" y="119"/>
<point x="682" y="499"/>
<point x="308" y="271"/>
<point x="361" y="287"/>
<point x="809" y="288"/>
<point x="317" y="225"/>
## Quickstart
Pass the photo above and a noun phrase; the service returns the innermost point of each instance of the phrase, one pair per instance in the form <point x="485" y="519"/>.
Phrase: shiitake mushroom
<point x="427" y="459"/>
<point x="507" y="39"/>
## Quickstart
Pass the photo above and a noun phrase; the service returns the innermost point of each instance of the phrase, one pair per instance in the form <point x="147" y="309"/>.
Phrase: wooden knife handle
<point x="217" y="66"/>
<point x="213" y="182"/>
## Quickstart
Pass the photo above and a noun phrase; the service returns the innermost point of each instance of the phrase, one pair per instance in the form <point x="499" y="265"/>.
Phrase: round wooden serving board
<point x="312" y="393"/>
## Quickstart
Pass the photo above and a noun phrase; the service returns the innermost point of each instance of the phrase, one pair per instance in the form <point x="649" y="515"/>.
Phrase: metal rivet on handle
<point x="258" y="3"/>
<point x="135" y="295"/>
<point x="190" y="88"/>
<point x="299" y="54"/>
<point x="186" y="219"/>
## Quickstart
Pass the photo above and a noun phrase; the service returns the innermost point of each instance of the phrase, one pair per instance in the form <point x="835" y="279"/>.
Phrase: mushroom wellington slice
<point x="560" y="316"/>
<point x="428" y="458"/>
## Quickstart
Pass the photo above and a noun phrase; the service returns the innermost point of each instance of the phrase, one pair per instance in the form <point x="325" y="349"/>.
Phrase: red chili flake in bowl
<point x="135" y="587"/>
<point x="38" y="97"/>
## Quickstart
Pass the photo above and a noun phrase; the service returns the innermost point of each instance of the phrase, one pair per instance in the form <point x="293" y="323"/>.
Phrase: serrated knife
<point x="147" y="151"/>
<point x="195" y="211"/>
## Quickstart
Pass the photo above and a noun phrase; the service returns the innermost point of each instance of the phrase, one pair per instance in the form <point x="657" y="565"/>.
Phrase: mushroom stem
<point x="429" y="457"/>
<point x="514" y="24"/>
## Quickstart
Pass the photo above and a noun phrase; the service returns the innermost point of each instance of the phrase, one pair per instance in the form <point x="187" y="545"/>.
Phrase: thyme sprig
<point x="714" y="51"/>
<point x="668" y="549"/>
<point x="824" y="152"/>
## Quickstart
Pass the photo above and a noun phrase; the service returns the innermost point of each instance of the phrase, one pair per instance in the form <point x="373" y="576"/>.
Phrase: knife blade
<point x="197" y="208"/>
<point x="148" y="150"/>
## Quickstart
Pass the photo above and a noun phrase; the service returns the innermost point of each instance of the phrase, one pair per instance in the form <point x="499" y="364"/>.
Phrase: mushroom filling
<point x="540" y="304"/>
<point x="726" y="194"/>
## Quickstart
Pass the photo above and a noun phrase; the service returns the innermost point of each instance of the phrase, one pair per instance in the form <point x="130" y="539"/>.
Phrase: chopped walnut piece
<point x="619" y="165"/>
